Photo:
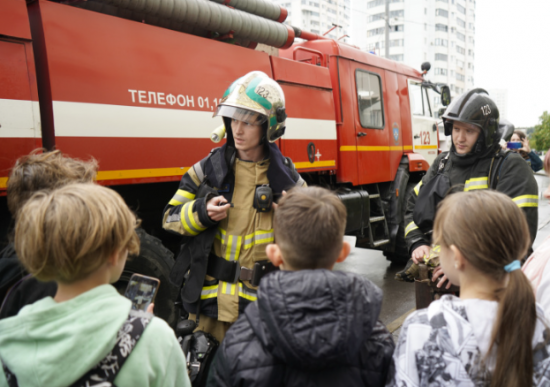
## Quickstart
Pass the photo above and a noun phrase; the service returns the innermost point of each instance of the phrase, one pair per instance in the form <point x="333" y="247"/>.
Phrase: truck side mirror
<point x="441" y="111"/>
<point x="445" y="95"/>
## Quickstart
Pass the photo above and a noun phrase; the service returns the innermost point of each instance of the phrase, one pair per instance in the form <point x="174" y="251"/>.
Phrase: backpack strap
<point x="443" y="163"/>
<point x="496" y="167"/>
<point x="287" y="161"/>
<point x="127" y="337"/>
<point x="10" y="377"/>
<point x="107" y="370"/>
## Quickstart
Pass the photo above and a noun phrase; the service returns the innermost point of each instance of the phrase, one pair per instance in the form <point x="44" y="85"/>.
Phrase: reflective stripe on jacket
<point x="515" y="179"/>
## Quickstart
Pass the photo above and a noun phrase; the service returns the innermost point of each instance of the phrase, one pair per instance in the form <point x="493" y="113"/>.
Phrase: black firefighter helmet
<point x="475" y="107"/>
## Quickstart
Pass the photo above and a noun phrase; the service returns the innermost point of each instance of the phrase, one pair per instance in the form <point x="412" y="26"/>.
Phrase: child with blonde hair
<point x="494" y="334"/>
<point x="80" y="236"/>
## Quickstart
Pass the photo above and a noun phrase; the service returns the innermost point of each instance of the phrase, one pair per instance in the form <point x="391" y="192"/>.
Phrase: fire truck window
<point x="420" y="105"/>
<point x="369" y="97"/>
<point x="427" y="108"/>
<point x="415" y="96"/>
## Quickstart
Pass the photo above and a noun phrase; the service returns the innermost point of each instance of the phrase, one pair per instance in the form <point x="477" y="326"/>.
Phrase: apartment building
<point x="319" y="16"/>
<point x="441" y="32"/>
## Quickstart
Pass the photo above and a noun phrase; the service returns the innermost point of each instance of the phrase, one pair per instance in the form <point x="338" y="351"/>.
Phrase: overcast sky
<point x="513" y="52"/>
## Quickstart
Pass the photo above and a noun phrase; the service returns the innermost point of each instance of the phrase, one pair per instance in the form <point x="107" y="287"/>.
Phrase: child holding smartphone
<point x="495" y="333"/>
<point x="80" y="236"/>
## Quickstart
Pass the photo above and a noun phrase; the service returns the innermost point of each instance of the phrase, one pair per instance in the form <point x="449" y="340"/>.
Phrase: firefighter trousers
<point x="216" y="328"/>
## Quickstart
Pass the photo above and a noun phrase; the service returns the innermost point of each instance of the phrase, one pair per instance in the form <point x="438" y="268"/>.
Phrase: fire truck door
<point x="371" y="127"/>
<point x="424" y="126"/>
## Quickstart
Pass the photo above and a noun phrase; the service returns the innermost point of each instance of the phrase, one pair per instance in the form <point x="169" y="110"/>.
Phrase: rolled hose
<point x="261" y="8"/>
<point x="189" y="15"/>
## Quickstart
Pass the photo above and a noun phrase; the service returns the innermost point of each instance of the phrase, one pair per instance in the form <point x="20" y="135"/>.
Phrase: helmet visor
<point x="239" y="114"/>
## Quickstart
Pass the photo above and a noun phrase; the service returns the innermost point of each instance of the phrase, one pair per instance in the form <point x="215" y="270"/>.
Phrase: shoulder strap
<point x="218" y="164"/>
<point x="10" y="377"/>
<point x="11" y="290"/>
<point x="205" y="187"/>
<point x="287" y="161"/>
<point x="443" y="163"/>
<point x="496" y="166"/>
<point x="127" y="337"/>
<point x="8" y="251"/>
<point x="198" y="167"/>
<point x="106" y="371"/>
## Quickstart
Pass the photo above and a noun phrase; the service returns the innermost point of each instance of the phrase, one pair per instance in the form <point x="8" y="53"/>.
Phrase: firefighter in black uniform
<point x="223" y="206"/>
<point x="475" y="161"/>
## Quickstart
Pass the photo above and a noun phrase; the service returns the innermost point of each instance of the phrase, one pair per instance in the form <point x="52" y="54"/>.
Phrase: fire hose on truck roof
<point x="261" y="8"/>
<point x="248" y="21"/>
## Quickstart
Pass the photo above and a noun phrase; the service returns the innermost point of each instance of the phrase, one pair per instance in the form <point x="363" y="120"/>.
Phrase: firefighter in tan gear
<point x="224" y="206"/>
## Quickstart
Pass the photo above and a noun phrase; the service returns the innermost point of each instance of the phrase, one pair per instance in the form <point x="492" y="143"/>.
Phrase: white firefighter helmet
<point x="257" y="99"/>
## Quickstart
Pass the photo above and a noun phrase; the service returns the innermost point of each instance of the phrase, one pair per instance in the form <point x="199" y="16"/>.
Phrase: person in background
<point x="494" y="334"/>
<point x="310" y="326"/>
<point x="80" y="236"/>
<point x="34" y="172"/>
<point x="525" y="151"/>
<point x="537" y="267"/>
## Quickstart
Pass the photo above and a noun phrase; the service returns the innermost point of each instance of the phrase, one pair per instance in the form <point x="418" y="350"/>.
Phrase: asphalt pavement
<point x="399" y="297"/>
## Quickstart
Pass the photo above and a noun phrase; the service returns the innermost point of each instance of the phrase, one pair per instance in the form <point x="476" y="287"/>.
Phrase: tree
<point x="541" y="136"/>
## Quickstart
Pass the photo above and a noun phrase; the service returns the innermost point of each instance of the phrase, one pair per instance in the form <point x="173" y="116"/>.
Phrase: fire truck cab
<point x="383" y="138"/>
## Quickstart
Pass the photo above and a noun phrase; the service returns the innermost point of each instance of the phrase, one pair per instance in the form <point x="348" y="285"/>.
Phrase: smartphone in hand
<point x="514" y="145"/>
<point x="141" y="291"/>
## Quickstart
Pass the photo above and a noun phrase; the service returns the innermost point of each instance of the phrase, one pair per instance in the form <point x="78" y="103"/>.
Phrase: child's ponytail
<point x="513" y="333"/>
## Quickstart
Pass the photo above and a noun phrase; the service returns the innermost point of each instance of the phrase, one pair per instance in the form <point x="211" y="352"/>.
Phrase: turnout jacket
<point x="308" y="328"/>
<point x="533" y="160"/>
<point x="514" y="178"/>
<point x="440" y="346"/>
<point x="240" y="237"/>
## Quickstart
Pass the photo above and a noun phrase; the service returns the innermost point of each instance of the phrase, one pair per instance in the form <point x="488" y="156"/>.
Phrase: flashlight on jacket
<point x="263" y="198"/>
<point x="218" y="134"/>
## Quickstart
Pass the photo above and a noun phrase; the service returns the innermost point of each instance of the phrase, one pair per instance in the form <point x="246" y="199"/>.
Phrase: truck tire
<point x="401" y="254"/>
<point x="154" y="260"/>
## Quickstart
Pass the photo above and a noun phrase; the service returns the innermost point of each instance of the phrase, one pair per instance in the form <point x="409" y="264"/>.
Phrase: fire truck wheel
<point x="401" y="254"/>
<point x="154" y="260"/>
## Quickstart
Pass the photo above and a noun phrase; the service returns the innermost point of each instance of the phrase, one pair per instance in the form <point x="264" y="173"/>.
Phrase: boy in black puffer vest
<point x="310" y="326"/>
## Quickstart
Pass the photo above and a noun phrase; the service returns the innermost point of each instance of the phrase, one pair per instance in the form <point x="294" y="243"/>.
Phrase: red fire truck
<point x="134" y="84"/>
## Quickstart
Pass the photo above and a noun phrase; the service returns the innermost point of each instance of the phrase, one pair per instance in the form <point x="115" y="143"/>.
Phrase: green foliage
<point x="541" y="136"/>
<point x="533" y="144"/>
